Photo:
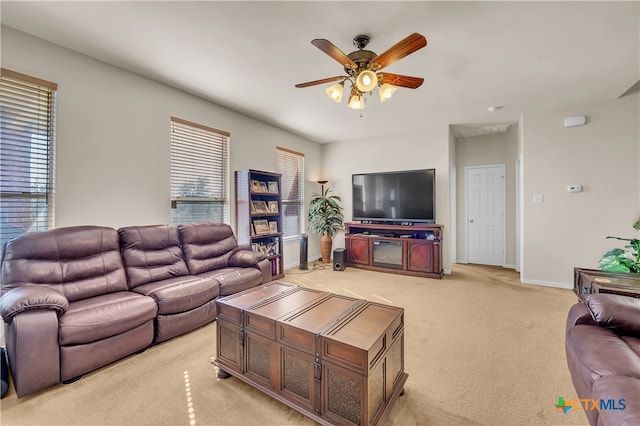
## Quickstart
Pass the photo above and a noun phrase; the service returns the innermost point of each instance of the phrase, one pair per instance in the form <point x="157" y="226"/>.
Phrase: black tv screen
<point x="402" y="196"/>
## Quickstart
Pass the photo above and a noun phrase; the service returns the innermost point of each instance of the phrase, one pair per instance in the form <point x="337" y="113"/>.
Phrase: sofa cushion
<point x="634" y="344"/>
<point x="176" y="295"/>
<point x="104" y="316"/>
<point x="619" y="313"/>
<point x="596" y="352"/>
<point x="78" y="261"/>
<point x="233" y="280"/>
<point x="622" y="396"/>
<point x="151" y="253"/>
<point x="207" y="246"/>
<point x="169" y="326"/>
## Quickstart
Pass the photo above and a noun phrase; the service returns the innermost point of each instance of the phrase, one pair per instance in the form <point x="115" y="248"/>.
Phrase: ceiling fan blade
<point x="400" y="80"/>
<point x="330" y="49"/>
<point x="399" y="50"/>
<point x="323" y="81"/>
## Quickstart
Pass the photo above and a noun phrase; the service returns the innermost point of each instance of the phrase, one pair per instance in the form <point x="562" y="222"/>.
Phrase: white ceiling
<point x="248" y="56"/>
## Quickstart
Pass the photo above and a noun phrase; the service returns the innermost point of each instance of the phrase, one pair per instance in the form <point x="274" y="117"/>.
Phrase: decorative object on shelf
<point x="273" y="207"/>
<point x="260" y="206"/>
<point x="625" y="259"/>
<point x="255" y="186"/>
<point x="362" y="68"/>
<point x="261" y="226"/>
<point x="273" y="227"/>
<point x="263" y="187"/>
<point x="325" y="218"/>
<point x="273" y="187"/>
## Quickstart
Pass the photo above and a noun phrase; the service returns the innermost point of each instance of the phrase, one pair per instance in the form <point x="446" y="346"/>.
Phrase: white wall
<point x="113" y="160"/>
<point x="568" y="230"/>
<point x="113" y="140"/>
<point x="424" y="149"/>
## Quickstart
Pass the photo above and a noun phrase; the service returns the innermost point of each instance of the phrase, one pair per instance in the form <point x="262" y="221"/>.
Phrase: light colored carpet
<point x="480" y="348"/>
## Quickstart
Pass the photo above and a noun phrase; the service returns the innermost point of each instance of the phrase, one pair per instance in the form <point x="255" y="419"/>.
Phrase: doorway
<point x="485" y="214"/>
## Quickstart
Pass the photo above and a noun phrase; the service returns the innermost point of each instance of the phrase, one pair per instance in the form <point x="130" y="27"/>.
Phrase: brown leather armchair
<point x="603" y="354"/>
<point x="67" y="307"/>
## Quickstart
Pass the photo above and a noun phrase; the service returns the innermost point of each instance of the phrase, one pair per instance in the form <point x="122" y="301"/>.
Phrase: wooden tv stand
<point x="400" y="249"/>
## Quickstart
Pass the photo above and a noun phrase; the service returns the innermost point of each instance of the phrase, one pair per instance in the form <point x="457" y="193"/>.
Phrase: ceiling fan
<point x="362" y="68"/>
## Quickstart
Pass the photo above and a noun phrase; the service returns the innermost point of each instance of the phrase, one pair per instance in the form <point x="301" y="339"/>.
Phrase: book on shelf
<point x="275" y="266"/>
<point x="270" y="247"/>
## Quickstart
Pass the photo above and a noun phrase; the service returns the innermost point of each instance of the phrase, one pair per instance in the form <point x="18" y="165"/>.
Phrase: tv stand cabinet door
<point x="359" y="251"/>
<point x="420" y="256"/>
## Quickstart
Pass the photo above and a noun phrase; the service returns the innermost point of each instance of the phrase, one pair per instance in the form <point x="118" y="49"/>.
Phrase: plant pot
<point x="325" y="248"/>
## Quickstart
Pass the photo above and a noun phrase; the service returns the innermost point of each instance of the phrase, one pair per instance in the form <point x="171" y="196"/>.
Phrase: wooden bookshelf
<point x="259" y="215"/>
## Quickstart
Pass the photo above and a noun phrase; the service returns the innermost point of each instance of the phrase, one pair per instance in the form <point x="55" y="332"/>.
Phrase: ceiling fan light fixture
<point x="361" y="67"/>
<point x="367" y="80"/>
<point x="385" y="91"/>
<point x="335" y="92"/>
<point x="356" y="101"/>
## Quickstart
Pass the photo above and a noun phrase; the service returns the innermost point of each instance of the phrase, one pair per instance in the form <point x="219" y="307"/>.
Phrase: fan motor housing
<point x="362" y="59"/>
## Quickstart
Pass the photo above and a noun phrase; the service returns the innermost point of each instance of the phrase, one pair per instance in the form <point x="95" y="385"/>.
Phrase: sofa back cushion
<point x="207" y="245"/>
<point x="78" y="261"/>
<point x="151" y="253"/>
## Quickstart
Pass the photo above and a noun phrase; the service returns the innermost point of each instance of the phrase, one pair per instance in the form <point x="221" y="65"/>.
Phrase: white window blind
<point x="291" y="165"/>
<point x="199" y="173"/>
<point x="27" y="135"/>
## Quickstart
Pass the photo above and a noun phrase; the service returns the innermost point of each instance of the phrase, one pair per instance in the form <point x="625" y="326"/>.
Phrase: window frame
<point x="179" y="164"/>
<point x="285" y="201"/>
<point x="22" y="98"/>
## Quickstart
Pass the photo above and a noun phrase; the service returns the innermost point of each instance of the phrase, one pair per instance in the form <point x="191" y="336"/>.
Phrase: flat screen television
<point x="402" y="196"/>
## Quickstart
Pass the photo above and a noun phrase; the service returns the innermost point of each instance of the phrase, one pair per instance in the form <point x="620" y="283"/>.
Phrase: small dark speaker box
<point x="339" y="258"/>
<point x="304" y="244"/>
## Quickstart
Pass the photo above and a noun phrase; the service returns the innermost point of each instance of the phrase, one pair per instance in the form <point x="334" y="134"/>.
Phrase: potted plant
<point x="326" y="218"/>
<point x="623" y="259"/>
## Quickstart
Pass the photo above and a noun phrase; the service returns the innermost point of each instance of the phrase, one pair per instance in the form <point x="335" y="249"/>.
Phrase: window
<point x="291" y="165"/>
<point x="199" y="173"/>
<point x="27" y="134"/>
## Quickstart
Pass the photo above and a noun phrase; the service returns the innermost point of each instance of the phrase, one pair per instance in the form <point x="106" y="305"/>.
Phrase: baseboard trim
<point x="507" y="265"/>
<point x="547" y="283"/>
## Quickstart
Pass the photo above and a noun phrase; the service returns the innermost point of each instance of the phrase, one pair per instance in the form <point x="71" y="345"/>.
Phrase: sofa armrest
<point x="245" y="258"/>
<point x="265" y="267"/>
<point x="579" y="314"/>
<point x="619" y="313"/>
<point x="31" y="297"/>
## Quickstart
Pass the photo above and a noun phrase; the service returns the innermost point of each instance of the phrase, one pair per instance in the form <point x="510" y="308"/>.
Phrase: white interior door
<point x="486" y="215"/>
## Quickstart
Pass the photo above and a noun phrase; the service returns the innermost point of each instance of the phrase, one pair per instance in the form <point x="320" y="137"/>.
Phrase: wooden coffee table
<point x="336" y="359"/>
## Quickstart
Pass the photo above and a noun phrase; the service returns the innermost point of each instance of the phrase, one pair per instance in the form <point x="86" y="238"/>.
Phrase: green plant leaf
<point x="325" y="213"/>
<point x="623" y="259"/>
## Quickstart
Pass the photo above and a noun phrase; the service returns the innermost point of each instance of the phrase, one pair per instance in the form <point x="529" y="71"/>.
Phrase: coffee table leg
<point x="223" y="374"/>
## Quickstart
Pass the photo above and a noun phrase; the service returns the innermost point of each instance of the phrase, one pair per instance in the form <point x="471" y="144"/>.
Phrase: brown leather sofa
<point x="75" y="299"/>
<point x="603" y="354"/>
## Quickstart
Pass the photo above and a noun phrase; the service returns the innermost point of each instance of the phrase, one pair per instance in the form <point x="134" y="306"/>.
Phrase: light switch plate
<point x="538" y="198"/>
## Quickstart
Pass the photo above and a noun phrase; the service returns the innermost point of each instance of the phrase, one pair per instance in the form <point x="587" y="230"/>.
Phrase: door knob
<point x="470" y="220"/>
